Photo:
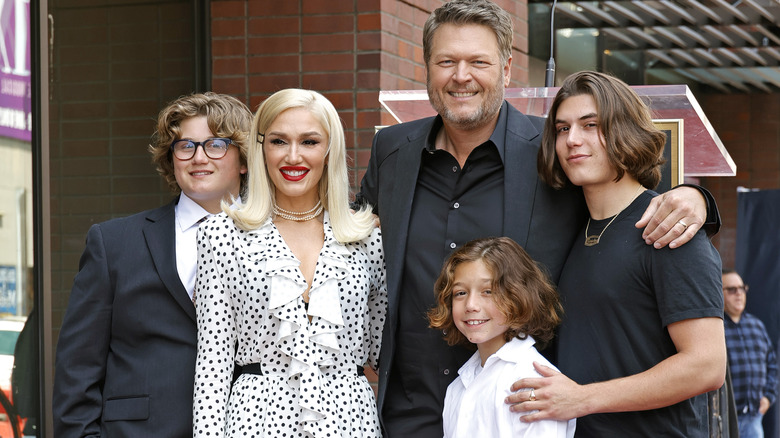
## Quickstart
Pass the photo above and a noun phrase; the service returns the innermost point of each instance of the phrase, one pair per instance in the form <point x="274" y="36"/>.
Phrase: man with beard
<point x="467" y="173"/>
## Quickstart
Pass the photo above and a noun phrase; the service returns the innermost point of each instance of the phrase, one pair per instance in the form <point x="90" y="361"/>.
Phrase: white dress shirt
<point x="474" y="405"/>
<point x="188" y="216"/>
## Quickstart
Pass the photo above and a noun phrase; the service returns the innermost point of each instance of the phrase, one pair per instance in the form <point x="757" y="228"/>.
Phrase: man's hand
<point x="673" y="218"/>
<point x="556" y="397"/>
<point x="763" y="405"/>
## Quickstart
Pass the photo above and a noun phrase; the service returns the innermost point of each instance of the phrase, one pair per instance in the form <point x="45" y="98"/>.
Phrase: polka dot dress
<point x="250" y="311"/>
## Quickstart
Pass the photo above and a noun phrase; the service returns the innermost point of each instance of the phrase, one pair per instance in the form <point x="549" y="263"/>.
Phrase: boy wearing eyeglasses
<point x="125" y="362"/>
<point x="752" y="358"/>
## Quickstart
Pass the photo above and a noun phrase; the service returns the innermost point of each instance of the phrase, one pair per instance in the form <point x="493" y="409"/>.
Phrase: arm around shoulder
<point x="674" y="217"/>
<point x="698" y="366"/>
<point x="712" y="222"/>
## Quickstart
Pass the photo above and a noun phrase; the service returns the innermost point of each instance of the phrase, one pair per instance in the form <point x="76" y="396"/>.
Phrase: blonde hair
<point x="256" y="206"/>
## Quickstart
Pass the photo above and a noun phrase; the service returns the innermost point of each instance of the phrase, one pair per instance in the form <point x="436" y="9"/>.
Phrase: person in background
<point x="291" y="287"/>
<point x="125" y="360"/>
<point x="752" y="358"/>
<point x="642" y="337"/>
<point x="491" y="293"/>
<point x="469" y="172"/>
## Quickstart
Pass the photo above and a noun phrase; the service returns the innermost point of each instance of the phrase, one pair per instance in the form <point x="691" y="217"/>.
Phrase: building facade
<point x="100" y="70"/>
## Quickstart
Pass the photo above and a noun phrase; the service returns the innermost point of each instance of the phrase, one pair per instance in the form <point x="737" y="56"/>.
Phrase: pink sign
<point x="15" y="94"/>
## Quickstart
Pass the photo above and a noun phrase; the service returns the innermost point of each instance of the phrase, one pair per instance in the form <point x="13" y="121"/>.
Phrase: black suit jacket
<point x="542" y="220"/>
<point x="125" y="361"/>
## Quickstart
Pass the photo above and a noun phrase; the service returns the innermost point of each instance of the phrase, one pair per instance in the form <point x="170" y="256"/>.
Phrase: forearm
<point x="671" y="381"/>
<point x="698" y="366"/>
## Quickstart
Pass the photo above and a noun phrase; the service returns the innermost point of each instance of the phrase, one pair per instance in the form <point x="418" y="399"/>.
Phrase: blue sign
<point x="8" y="289"/>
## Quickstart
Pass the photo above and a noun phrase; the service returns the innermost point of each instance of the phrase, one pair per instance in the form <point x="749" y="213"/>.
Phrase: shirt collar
<point x="498" y="138"/>
<point x="188" y="212"/>
<point x="509" y="352"/>
<point x="512" y="350"/>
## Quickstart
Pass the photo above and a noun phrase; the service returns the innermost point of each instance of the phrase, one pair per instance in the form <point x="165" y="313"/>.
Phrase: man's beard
<point x="488" y="109"/>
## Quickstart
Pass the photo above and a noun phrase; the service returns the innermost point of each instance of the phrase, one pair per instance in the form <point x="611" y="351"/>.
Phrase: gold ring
<point x="532" y="397"/>
<point x="685" y="226"/>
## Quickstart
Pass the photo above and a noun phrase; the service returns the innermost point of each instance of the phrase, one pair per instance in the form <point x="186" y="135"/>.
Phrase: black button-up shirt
<point x="452" y="205"/>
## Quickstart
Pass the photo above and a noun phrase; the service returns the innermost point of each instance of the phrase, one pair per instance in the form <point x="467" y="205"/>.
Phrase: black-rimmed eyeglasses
<point x="214" y="148"/>
<point x="731" y="290"/>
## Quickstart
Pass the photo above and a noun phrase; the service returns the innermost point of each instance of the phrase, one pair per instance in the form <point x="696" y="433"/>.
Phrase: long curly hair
<point x="522" y="291"/>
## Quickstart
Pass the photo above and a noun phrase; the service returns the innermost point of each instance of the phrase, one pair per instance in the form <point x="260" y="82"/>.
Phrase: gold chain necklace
<point x="298" y="216"/>
<point x="594" y="240"/>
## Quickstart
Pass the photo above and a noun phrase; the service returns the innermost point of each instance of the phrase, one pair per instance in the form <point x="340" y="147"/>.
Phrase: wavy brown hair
<point x="633" y="144"/>
<point x="522" y="291"/>
<point x="226" y="116"/>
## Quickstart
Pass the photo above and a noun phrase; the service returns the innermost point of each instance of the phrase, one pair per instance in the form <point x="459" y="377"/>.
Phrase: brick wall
<point x="749" y="127"/>
<point x="348" y="50"/>
<point x="114" y="66"/>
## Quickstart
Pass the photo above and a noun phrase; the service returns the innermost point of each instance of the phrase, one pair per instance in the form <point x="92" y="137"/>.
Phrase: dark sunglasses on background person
<point x="214" y="148"/>
<point x="731" y="290"/>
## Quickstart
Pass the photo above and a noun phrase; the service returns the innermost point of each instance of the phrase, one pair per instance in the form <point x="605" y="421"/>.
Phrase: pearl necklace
<point x="594" y="240"/>
<point x="298" y="216"/>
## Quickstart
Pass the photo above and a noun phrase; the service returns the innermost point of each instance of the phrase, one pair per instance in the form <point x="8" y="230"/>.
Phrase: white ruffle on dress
<point x="251" y="311"/>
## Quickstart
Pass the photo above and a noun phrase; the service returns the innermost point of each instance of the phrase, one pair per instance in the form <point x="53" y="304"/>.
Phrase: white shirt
<point x="188" y="216"/>
<point x="474" y="405"/>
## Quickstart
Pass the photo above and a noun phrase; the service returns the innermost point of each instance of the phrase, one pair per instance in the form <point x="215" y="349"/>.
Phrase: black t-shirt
<point x="619" y="296"/>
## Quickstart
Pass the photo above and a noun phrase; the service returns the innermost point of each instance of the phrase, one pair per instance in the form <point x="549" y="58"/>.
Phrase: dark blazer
<point x="544" y="221"/>
<point x="125" y="361"/>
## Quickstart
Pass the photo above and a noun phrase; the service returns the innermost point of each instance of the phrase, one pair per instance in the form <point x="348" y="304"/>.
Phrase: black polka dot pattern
<point x="250" y="310"/>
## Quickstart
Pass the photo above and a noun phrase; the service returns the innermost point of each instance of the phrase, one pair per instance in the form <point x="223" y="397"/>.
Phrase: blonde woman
<point x="291" y="288"/>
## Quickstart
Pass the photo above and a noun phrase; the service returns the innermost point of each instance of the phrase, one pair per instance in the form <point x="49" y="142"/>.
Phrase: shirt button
<point x="454" y="168"/>
<point x="446" y="372"/>
<point x="453" y="245"/>
<point x="456" y="205"/>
